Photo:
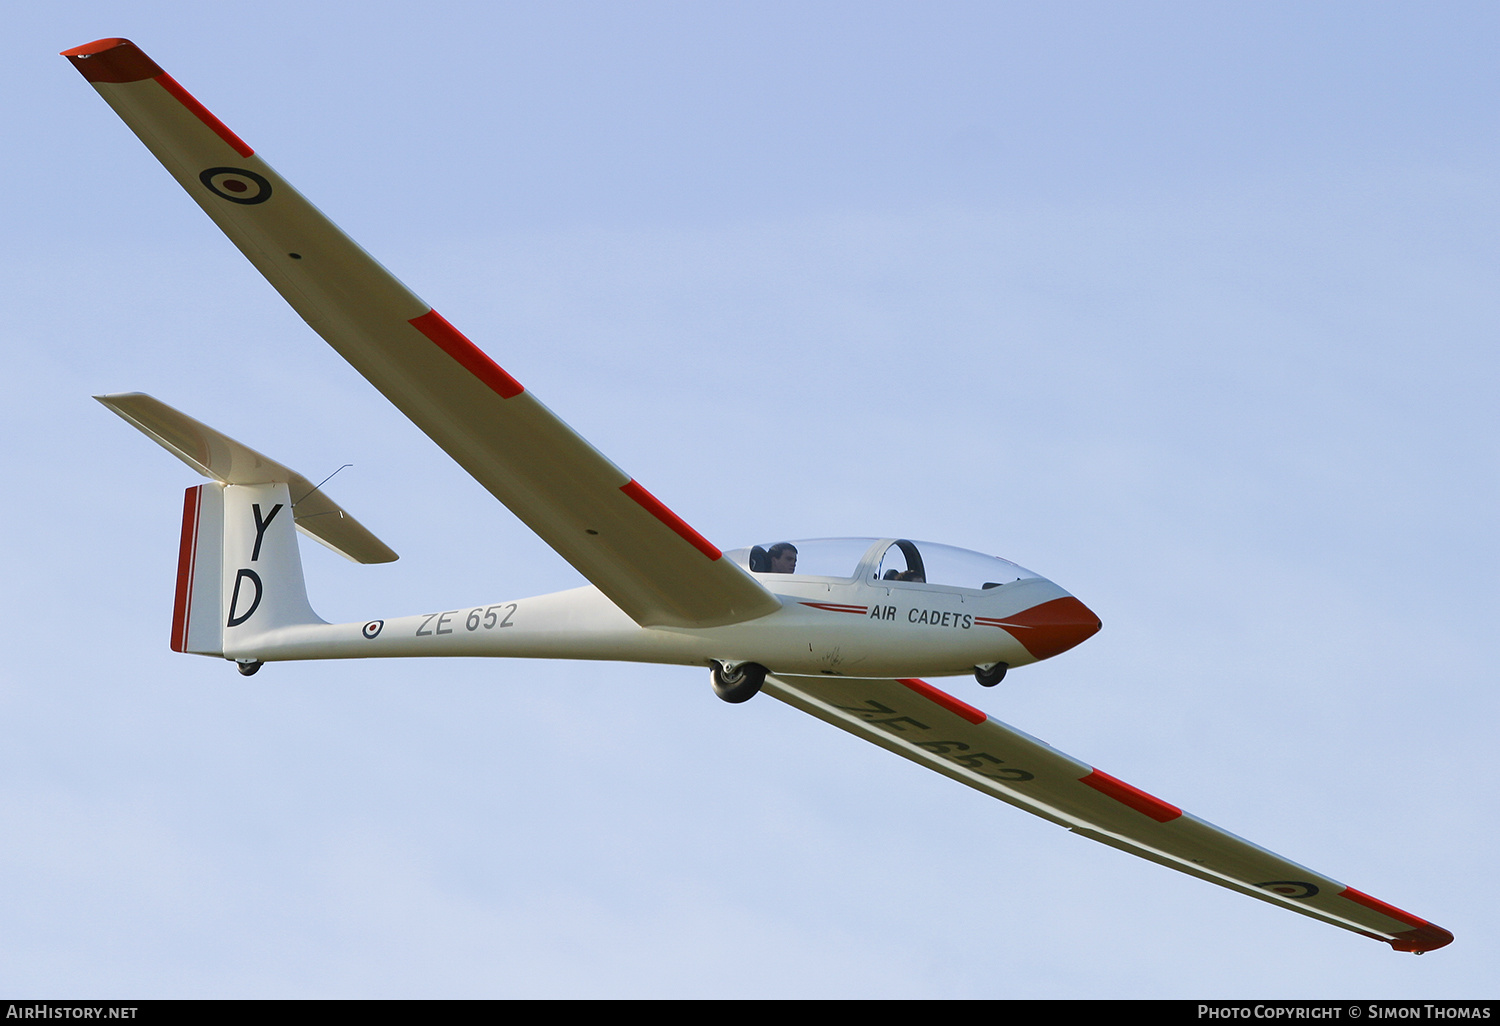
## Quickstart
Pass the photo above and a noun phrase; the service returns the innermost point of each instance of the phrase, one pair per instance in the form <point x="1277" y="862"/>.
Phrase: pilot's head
<point x="783" y="558"/>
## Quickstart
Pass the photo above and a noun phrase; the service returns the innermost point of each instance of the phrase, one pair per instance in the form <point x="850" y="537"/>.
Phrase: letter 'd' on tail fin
<point x="260" y="584"/>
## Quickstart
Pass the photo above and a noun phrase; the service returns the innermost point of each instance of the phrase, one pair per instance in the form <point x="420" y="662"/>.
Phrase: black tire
<point x="989" y="678"/>
<point x="249" y="669"/>
<point x="739" y="685"/>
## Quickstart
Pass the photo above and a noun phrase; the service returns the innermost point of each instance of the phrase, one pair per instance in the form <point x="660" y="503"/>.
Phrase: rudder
<point x="196" y="625"/>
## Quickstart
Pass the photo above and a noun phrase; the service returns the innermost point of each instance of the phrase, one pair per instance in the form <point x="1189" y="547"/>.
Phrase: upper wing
<point x="636" y="550"/>
<point x="921" y="723"/>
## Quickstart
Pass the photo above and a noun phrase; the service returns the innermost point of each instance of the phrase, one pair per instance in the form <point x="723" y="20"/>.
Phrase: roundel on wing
<point x="1290" y="888"/>
<point x="236" y="184"/>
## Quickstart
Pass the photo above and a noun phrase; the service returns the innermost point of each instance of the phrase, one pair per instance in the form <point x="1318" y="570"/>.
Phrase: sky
<point x="1188" y="307"/>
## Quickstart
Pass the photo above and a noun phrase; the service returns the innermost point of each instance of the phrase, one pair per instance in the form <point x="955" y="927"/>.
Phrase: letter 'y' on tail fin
<point x="239" y="574"/>
<point x="262" y="570"/>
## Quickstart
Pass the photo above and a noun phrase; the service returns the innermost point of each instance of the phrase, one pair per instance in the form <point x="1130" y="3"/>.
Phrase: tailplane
<point x="239" y="573"/>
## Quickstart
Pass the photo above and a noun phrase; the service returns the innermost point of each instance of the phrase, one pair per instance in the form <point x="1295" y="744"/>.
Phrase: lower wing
<point x="921" y="723"/>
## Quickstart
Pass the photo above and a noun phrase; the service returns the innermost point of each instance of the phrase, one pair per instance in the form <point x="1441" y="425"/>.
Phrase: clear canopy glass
<point x="895" y="561"/>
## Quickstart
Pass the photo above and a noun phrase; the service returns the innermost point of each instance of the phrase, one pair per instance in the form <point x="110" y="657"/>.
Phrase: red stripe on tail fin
<point x="187" y="555"/>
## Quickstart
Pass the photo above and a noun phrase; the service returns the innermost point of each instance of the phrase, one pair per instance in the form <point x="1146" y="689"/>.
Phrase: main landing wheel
<point x="992" y="676"/>
<point x="247" y="667"/>
<point x="739" y="683"/>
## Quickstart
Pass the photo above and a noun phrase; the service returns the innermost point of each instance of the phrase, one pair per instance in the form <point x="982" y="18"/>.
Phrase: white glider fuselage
<point x="842" y="627"/>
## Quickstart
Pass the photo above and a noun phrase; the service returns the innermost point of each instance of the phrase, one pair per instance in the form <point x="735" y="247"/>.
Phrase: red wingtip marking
<point x="1376" y="905"/>
<point x="112" y="60"/>
<point x="118" y="61"/>
<point x="182" y="605"/>
<point x="1140" y="801"/>
<point x="453" y="342"/>
<point x="944" y="699"/>
<point x="1423" y="937"/>
<point x="651" y="504"/>
<point x="203" y="114"/>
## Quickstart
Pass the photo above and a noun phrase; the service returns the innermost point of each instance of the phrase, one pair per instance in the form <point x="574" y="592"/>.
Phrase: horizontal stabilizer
<point x="221" y="458"/>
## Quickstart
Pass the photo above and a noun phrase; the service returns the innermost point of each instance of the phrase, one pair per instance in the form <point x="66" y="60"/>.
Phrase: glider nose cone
<point x="1054" y="626"/>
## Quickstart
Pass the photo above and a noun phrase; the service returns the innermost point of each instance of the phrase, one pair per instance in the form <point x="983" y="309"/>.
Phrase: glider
<point x="842" y="629"/>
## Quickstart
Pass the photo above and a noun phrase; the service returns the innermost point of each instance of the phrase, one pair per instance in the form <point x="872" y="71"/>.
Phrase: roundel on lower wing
<point x="236" y="184"/>
<point x="372" y="629"/>
<point x="1290" y="888"/>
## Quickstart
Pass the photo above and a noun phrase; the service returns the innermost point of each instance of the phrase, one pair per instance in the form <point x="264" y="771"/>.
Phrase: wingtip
<point x="114" y="399"/>
<point x="112" y="60"/>
<point x="97" y="46"/>
<point x="1423" y="936"/>
<point x="1426" y="937"/>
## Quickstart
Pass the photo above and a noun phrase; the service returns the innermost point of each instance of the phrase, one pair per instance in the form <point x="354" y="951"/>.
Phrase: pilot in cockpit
<point x="783" y="558"/>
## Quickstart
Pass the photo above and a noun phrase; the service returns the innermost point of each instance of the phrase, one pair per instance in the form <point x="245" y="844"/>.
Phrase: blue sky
<point x="1189" y="307"/>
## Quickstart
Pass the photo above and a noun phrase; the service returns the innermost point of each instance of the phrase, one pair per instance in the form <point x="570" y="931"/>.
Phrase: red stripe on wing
<point x="651" y="504"/>
<point x="944" y="699"/>
<point x="203" y="114"/>
<point x="453" y="342"/>
<point x="1139" y="800"/>
<point x="1376" y="905"/>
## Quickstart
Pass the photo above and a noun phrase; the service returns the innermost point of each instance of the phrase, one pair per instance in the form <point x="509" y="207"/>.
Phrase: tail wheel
<point x="992" y="675"/>
<point x="739" y="682"/>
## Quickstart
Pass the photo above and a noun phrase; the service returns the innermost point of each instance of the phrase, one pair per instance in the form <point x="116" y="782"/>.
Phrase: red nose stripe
<point x="1052" y="627"/>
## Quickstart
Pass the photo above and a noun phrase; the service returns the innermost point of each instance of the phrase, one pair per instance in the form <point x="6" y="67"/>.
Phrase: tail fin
<point x="239" y="574"/>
